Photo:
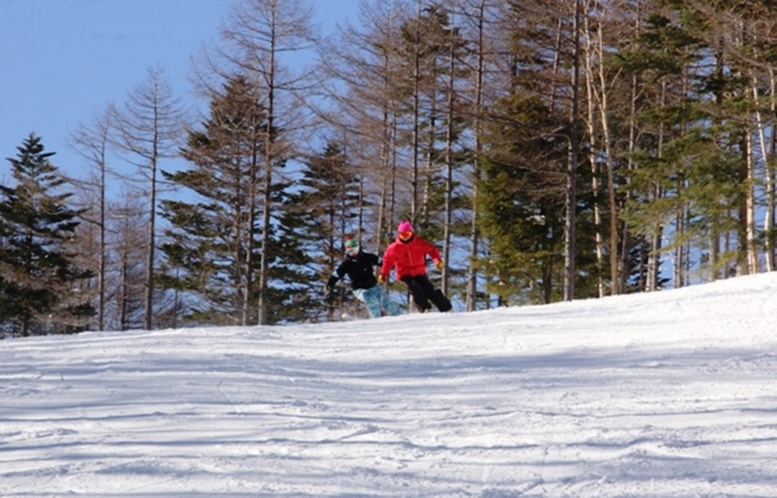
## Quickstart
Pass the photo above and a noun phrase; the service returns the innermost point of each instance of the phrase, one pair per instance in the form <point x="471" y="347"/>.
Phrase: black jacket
<point x="359" y="271"/>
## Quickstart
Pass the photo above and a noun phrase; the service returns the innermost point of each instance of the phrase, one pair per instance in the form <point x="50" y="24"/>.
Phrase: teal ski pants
<point x="377" y="300"/>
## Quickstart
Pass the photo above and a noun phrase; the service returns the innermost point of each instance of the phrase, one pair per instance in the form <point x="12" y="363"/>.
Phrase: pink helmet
<point x="404" y="226"/>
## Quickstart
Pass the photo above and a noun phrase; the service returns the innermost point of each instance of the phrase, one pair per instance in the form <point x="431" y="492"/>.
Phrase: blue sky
<point x="62" y="61"/>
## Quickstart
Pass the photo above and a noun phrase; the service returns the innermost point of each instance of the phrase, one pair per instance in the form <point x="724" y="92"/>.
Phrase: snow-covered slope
<point x="665" y="394"/>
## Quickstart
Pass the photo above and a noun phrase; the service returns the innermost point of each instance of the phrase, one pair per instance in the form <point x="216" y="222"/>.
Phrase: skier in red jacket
<point x="407" y="255"/>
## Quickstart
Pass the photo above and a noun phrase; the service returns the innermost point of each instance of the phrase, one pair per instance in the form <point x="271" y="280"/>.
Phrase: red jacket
<point x="408" y="257"/>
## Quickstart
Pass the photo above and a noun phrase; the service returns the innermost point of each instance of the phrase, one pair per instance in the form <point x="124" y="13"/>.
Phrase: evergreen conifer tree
<point x="327" y="211"/>
<point x="213" y="248"/>
<point x="39" y="280"/>
<point x="521" y="204"/>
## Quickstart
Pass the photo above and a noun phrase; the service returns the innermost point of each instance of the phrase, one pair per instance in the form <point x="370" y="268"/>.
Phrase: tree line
<point x="554" y="150"/>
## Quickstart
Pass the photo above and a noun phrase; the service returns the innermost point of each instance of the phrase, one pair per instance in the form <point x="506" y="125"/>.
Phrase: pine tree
<point x="212" y="248"/>
<point x="216" y="241"/>
<point x="38" y="277"/>
<point x="328" y="210"/>
<point x="521" y="203"/>
<point x="258" y="35"/>
<point x="292" y="271"/>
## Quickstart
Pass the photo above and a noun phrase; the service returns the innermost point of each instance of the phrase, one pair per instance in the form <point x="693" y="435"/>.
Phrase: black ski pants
<point x="423" y="291"/>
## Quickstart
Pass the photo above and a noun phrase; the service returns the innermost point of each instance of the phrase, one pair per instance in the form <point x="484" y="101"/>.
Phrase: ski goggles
<point x="352" y="250"/>
<point x="405" y="235"/>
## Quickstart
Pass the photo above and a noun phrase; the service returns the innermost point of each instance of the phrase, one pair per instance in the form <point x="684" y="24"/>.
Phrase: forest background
<point x="566" y="149"/>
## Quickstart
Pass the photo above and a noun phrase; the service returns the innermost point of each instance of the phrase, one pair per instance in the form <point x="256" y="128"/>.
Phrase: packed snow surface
<point x="672" y="393"/>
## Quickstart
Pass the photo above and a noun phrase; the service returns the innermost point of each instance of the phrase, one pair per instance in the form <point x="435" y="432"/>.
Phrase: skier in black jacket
<point x="358" y="265"/>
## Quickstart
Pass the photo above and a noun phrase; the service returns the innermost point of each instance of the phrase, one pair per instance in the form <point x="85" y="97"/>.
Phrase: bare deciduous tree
<point x="91" y="141"/>
<point x="148" y="128"/>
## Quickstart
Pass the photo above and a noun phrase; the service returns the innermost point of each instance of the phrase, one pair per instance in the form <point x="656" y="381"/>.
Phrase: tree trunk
<point x="472" y="277"/>
<point x="571" y="188"/>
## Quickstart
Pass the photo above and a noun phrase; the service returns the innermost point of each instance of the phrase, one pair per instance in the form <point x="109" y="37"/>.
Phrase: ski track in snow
<point x="665" y="394"/>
